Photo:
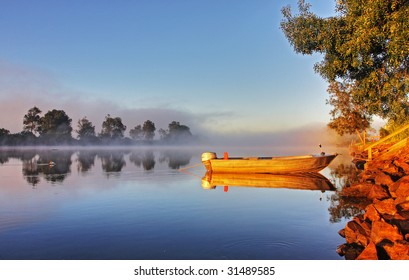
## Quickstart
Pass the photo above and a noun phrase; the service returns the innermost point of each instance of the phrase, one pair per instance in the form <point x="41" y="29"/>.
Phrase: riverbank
<point x="382" y="230"/>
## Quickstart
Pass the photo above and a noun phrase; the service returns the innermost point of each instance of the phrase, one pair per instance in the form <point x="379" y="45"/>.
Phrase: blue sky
<point x="221" y="66"/>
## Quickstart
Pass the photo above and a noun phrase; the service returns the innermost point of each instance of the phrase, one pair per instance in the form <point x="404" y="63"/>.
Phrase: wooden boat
<point x="273" y="165"/>
<point x="299" y="181"/>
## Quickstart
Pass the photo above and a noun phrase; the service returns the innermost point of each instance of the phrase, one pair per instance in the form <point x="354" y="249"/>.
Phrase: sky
<point x="217" y="66"/>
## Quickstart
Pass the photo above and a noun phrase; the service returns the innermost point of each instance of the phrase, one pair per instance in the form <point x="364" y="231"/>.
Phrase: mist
<point x="21" y="88"/>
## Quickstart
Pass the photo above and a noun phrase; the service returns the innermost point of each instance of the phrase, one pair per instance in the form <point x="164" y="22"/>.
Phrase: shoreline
<point x="382" y="231"/>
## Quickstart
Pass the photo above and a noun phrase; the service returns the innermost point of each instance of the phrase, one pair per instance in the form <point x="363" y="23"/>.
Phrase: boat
<point x="299" y="181"/>
<point x="272" y="165"/>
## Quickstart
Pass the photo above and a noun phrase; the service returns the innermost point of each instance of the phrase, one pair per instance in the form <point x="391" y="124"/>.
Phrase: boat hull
<point x="272" y="165"/>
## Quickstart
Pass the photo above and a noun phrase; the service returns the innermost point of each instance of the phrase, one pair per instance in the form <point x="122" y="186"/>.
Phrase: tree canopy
<point x="365" y="50"/>
<point x="54" y="128"/>
<point x="113" y="128"/>
<point x="176" y="132"/>
<point x="31" y="120"/>
<point x="56" y="123"/>
<point x="86" y="130"/>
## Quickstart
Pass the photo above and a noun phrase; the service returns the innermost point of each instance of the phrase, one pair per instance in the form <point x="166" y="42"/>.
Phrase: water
<point x="150" y="204"/>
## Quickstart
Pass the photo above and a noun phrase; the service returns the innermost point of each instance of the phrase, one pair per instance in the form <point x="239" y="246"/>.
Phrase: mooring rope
<point x="188" y="167"/>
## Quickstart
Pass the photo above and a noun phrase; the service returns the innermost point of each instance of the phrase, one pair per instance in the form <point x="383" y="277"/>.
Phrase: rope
<point x="184" y="168"/>
<point x="190" y="173"/>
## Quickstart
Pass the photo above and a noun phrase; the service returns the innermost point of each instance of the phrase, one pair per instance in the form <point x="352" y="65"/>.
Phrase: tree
<point x="85" y="131"/>
<point x="31" y="120"/>
<point x="365" y="50"/>
<point x="148" y="130"/>
<point x="347" y="116"/>
<point x="4" y="136"/>
<point x="56" y="124"/>
<point x="176" y="132"/>
<point x="136" y="133"/>
<point x="112" y="128"/>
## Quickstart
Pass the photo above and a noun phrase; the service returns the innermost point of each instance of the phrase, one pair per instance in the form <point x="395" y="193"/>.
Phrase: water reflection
<point x="36" y="163"/>
<point x="146" y="159"/>
<point x="175" y="158"/>
<point x="86" y="160"/>
<point x="300" y="181"/>
<point x="131" y="204"/>
<point x="344" y="175"/>
<point x="112" y="161"/>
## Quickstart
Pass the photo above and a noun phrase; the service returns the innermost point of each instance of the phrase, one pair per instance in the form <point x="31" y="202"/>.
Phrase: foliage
<point x="31" y="120"/>
<point x="54" y="128"/>
<point x="112" y="128"/>
<point x="56" y="124"/>
<point x="136" y="133"/>
<point x="347" y="116"/>
<point x="148" y="130"/>
<point x="365" y="52"/>
<point x="85" y="131"/>
<point x="4" y="132"/>
<point x="176" y="133"/>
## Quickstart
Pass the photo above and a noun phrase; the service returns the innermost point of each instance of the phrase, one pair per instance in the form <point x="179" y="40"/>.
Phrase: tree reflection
<point x="60" y="168"/>
<point x="144" y="158"/>
<point x="30" y="171"/>
<point x="85" y="160"/>
<point x="344" y="175"/>
<point x="112" y="161"/>
<point x="176" y="158"/>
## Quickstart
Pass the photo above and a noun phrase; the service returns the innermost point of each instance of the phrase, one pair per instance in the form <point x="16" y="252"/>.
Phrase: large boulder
<point x="378" y="192"/>
<point x="369" y="253"/>
<point x="386" y="206"/>
<point x="382" y="231"/>
<point x="397" y="250"/>
<point x="400" y="189"/>
<point x="357" y="231"/>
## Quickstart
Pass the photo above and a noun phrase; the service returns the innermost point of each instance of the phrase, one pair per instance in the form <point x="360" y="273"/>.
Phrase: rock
<point x="392" y="169"/>
<point x="383" y="179"/>
<point x="386" y="206"/>
<point x="403" y="225"/>
<point x="384" y="231"/>
<point x="402" y="165"/>
<point x="378" y="192"/>
<point x="369" y="253"/>
<point x="371" y="214"/>
<point x="400" y="188"/>
<point x="403" y="206"/>
<point x="350" y="251"/>
<point x="342" y="233"/>
<point x="398" y="250"/>
<point x="358" y="232"/>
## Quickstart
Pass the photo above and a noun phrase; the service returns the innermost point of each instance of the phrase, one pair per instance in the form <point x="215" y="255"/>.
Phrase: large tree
<point x="31" y="120"/>
<point x="85" y="131"/>
<point x="136" y="133"/>
<point x="56" y="124"/>
<point x="148" y="129"/>
<point x="112" y="128"/>
<point x="365" y="49"/>
<point x="176" y="132"/>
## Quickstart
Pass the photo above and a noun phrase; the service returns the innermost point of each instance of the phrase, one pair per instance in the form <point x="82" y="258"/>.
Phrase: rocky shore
<point x="382" y="230"/>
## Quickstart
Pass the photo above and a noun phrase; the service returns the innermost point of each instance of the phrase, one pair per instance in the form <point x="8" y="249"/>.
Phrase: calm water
<point x="138" y="204"/>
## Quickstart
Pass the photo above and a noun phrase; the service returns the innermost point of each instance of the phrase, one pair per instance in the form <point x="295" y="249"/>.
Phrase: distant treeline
<point x="55" y="128"/>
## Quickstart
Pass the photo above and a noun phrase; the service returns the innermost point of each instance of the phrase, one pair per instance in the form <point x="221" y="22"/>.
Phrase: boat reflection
<point x="299" y="181"/>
